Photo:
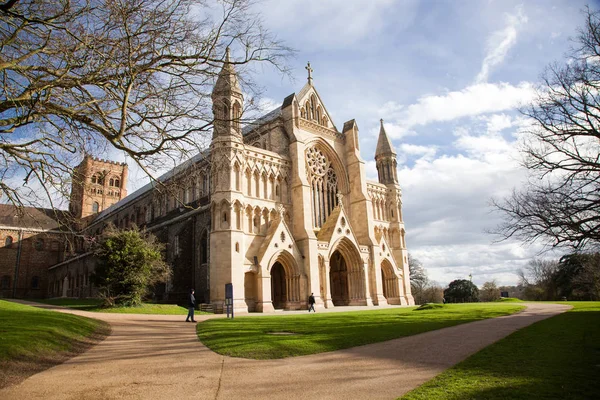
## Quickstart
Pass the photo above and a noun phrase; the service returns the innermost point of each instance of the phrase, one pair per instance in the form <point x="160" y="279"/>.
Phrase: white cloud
<point x="500" y="43"/>
<point x="333" y="23"/>
<point x="474" y="100"/>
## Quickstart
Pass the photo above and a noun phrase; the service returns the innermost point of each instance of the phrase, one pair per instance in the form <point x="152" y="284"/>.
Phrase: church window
<point x="94" y="179"/>
<point x="39" y="244"/>
<point x="35" y="282"/>
<point x="5" y="282"/>
<point x="318" y="114"/>
<point x="224" y="216"/>
<point x="237" y="114"/>
<point x="256" y="185"/>
<point x="313" y="111"/>
<point x="111" y="182"/>
<point x="237" y="247"/>
<point x="95" y="207"/>
<point x="236" y="171"/>
<point x="265" y="187"/>
<point x="176" y="246"/>
<point x="276" y="192"/>
<point x="8" y="241"/>
<point x="323" y="182"/>
<point x="117" y="183"/>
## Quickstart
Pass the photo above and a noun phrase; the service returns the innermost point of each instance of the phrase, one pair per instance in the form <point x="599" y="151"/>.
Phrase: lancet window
<point x="323" y="185"/>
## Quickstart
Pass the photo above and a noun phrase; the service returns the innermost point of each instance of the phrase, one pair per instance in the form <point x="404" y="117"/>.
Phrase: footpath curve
<point x="160" y="357"/>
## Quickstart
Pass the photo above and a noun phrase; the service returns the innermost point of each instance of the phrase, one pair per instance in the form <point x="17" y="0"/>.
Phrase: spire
<point x="227" y="82"/>
<point x="384" y="145"/>
<point x="228" y="101"/>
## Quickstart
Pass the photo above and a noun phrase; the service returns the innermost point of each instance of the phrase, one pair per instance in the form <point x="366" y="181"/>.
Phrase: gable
<point x="278" y="238"/>
<point x="336" y="227"/>
<point x="312" y="107"/>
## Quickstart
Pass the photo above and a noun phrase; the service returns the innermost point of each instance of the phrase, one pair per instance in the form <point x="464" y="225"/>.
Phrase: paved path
<point x="160" y="357"/>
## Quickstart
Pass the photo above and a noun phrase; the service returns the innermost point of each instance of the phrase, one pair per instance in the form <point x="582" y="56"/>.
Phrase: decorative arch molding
<point x="336" y="162"/>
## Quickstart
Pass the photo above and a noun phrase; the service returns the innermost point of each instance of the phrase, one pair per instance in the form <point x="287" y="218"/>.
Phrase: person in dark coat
<point x="311" y="302"/>
<point x="191" y="307"/>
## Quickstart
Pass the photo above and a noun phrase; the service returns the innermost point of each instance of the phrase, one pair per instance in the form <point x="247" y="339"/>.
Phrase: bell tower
<point x="96" y="185"/>
<point x="226" y="161"/>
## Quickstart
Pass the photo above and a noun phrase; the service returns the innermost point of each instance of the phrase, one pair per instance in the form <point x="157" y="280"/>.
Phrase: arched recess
<point x="251" y="290"/>
<point x="336" y="162"/>
<point x="346" y="274"/>
<point x="286" y="281"/>
<point x="389" y="281"/>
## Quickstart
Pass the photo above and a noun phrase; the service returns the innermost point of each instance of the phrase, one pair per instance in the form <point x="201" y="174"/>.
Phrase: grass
<point x="32" y="339"/>
<point x="509" y="300"/>
<point x="94" y="305"/>
<point x="252" y="337"/>
<point x="557" y="358"/>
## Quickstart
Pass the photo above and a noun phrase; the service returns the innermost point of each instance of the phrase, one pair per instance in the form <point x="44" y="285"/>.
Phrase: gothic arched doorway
<point x="389" y="281"/>
<point x="338" y="278"/>
<point x="278" y="286"/>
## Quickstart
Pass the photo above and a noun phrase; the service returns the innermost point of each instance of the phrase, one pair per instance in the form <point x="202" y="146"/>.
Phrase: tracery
<point x="323" y="185"/>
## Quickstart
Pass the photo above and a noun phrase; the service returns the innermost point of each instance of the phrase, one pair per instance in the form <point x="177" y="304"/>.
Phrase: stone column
<point x="264" y="303"/>
<point x="327" y="301"/>
<point x="366" y="283"/>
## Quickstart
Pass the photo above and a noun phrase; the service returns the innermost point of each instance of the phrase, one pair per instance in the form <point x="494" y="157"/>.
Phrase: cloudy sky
<point x="447" y="77"/>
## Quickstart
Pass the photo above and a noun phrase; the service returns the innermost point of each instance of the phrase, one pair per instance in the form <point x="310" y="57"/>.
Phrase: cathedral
<point x="280" y="208"/>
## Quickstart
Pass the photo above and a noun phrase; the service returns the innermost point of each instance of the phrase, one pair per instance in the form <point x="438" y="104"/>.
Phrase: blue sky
<point x="447" y="77"/>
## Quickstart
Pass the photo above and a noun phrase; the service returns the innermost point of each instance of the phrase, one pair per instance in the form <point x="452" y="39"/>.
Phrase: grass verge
<point x="262" y="338"/>
<point x="33" y="339"/>
<point x="557" y="358"/>
<point x="94" y="305"/>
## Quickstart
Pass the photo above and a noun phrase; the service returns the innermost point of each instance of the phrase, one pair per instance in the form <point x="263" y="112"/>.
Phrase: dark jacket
<point x="192" y="300"/>
<point x="311" y="299"/>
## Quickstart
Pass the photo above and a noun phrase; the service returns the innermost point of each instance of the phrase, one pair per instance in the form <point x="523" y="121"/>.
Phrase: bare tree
<point x="418" y="279"/>
<point x="489" y="291"/>
<point x="538" y="281"/>
<point x="561" y="204"/>
<point x="84" y="76"/>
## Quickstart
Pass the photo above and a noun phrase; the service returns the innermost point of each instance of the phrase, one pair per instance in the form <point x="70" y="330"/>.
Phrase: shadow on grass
<point x="557" y="358"/>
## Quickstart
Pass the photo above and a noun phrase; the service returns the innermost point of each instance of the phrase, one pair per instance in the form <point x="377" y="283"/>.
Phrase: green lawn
<point x="250" y="337"/>
<point x="94" y="306"/>
<point x="33" y="339"/>
<point x="557" y="358"/>
<point x="29" y="331"/>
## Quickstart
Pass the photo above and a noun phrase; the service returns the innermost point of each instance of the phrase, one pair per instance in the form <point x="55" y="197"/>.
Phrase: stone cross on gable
<point x="340" y="198"/>
<point x="281" y="210"/>
<point x="310" y="70"/>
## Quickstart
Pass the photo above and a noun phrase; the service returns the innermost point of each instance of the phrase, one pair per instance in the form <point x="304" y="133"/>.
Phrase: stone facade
<point x="280" y="208"/>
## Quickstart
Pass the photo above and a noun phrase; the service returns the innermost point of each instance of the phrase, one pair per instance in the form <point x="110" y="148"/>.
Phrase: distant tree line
<point x="574" y="277"/>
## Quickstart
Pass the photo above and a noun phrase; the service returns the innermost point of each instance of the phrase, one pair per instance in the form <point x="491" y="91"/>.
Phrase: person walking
<point x="311" y="302"/>
<point x="191" y="307"/>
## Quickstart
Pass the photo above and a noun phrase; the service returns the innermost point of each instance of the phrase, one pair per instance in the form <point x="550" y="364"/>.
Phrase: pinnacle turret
<point x="385" y="158"/>
<point x="228" y="101"/>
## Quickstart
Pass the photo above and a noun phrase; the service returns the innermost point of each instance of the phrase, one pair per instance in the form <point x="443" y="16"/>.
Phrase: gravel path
<point x="160" y="357"/>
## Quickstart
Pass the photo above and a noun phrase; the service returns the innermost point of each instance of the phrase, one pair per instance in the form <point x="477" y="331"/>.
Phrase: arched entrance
<point x="347" y="279"/>
<point x="338" y="278"/>
<point x="389" y="281"/>
<point x="278" y="286"/>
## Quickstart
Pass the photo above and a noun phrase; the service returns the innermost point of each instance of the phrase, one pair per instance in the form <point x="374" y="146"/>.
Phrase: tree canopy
<point x="90" y="76"/>
<point x="560" y="206"/>
<point x="128" y="263"/>
<point x="461" y="291"/>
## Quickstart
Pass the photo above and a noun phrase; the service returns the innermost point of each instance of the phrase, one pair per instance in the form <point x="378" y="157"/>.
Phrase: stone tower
<point x="227" y="158"/>
<point x="385" y="159"/>
<point x="96" y="185"/>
